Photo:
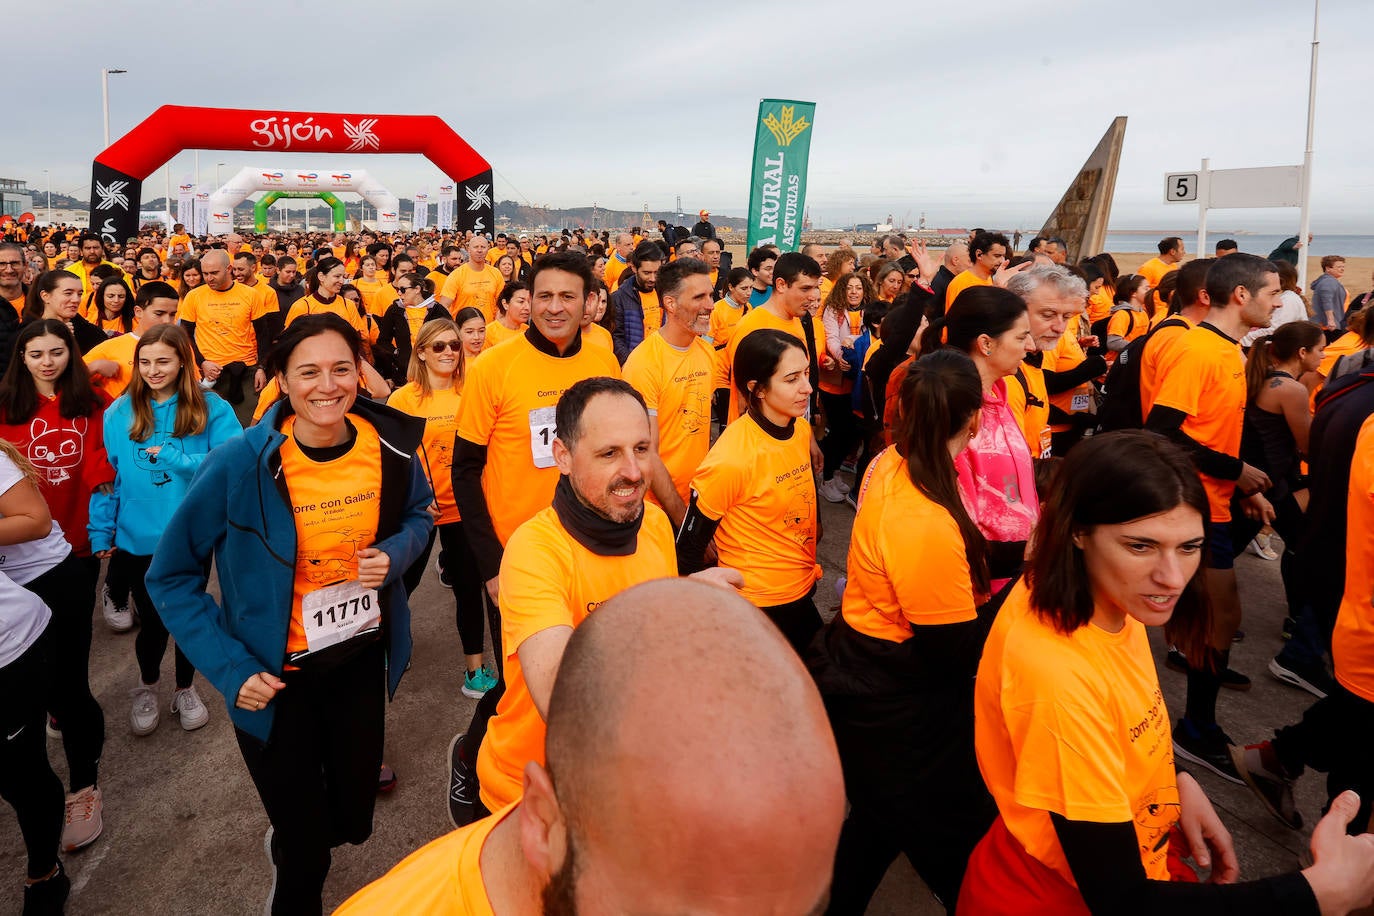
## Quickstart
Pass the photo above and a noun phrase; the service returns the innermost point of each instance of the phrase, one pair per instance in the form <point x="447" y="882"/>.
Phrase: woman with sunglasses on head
<point x="435" y="388"/>
<point x="399" y="325"/>
<point x="896" y="665"/>
<point x="51" y="413"/>
<point x="311" y="517"/>
<point x="1071" y="730"/>
<point x="156" y="435"/>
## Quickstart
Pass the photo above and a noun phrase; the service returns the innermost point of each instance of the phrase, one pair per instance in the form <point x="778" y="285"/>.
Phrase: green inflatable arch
<point x="268" y="199"/>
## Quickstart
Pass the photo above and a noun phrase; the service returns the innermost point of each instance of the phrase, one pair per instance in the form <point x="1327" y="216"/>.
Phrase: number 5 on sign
<point x="1180" y="187"/>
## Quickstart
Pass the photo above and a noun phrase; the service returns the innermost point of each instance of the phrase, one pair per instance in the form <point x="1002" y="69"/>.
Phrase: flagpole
<point x="1305" y="220"/>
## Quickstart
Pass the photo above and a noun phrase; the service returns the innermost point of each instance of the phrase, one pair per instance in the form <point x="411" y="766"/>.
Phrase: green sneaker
<point x="475" y="684"/>
<point x="489" y="676"/>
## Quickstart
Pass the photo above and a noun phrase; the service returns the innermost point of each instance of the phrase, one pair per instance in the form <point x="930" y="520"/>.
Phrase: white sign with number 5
<point x="1180" y="187"/>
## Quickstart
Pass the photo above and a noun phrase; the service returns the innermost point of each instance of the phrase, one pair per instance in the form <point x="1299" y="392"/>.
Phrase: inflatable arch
<point x="311" y="182"/>
<point x="118" y="172"/>
<point x="336" y="207"/>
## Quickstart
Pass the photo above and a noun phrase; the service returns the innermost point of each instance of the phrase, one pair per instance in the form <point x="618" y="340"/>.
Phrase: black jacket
<point x="704" y="230"/>
<point x="392" y="350"/>
<point x="9" y="329"/>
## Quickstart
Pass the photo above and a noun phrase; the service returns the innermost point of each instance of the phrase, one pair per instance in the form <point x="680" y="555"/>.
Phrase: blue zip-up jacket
<point x="238" y="511"/>
<point x="629" y="327"/>
<point x="148" y="489"/>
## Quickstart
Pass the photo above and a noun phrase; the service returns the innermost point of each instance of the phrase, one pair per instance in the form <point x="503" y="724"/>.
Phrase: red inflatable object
<point x="118" y="172"/>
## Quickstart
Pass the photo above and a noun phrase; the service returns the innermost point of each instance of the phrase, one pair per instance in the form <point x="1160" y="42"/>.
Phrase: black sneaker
<point x="1209" y="748"/>
<point x="1176" y="661"/>
<point x="1271" y="787"/>
<point x="48" y="897"/>
<point x="1238" y="636"/>
<point x="462" y="785"/>
<point x="1310" y="677"/>
<point x="439" y="568"/>
<point x="1289" y="625"/>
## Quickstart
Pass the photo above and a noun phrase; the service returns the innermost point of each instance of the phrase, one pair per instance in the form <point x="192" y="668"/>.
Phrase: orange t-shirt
<point x="1068" y="354"/>
<point x="760" y="317"/>
<point x="1154" y="270"/>
<point x="441" y="878"/>
<point x="119" y="350"/>
<point x="313" y="305"/>
<point x="962" y="281"/>
<point x="1076" y="726"/>
<point x="474" y="287"/>
<point x="498" y="333"/>
<point x="762" y="492"/>
<point x="224" y="322"/>
<point x="1128" y="323"/>
<point x="1347" y="343"/>
<point x="548" y="580"/>
<point x="676" y="385"/>
<point x="1152" y="356"/>
<point x="1030" y="404"/>
<point x="614" y="268"/>
<point x="1205" y="378"/>
<point x="335" y="504"/>
<point x="440" y="410"/>
<point x="1099" y="304"/>
<point x="508" y="404"/>
<point x="1352" y="643"/>
<point x="907" y="564"/>
<point x="378" y="295"/>
<point x="596" y="334"/>
<point x="725" y="316"/>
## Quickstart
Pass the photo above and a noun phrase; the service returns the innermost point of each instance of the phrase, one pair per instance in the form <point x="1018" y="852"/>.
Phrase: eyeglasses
<point x="441" y="346"/>
<point x="12" y="265"/>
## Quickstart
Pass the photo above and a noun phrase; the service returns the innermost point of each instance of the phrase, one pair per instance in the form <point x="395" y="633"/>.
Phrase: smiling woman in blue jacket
<point x="311" y="516"/>
<point x="159" y="431"/>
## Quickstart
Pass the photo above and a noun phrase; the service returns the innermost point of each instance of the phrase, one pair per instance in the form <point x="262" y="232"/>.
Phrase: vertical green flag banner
<point x="777" y="188"/>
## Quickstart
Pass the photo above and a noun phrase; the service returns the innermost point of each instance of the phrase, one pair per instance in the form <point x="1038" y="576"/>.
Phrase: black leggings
<point x="799" y="620"/>
<point x="841" y="431"/>
<point x="460" y="569"/>
<point x="151" y="642"/>
<point x="68" y="589"/>
<point x="1335" y="736"/>
<point x="317" y="773"/>
<point x="27" y="782"/>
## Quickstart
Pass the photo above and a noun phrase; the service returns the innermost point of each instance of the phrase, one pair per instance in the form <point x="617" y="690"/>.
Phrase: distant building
<point x="15" y="197"/>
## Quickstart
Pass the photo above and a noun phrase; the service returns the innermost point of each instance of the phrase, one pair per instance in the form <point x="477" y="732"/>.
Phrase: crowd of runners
<point x="610" y="448"/>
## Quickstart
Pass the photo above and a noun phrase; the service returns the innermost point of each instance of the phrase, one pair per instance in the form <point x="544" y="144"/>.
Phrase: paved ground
<point x="184" y="828"/>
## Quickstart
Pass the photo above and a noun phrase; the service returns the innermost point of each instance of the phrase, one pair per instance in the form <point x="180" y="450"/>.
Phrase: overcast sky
<point x="972" y="113"/>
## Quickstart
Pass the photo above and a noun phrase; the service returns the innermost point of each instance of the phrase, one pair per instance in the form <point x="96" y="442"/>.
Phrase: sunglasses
<point x="441" y="346"/>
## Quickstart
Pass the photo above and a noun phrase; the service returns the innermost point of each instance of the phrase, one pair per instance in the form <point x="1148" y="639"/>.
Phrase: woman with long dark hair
<point x="311" y="517"/>
<point x="114" y="314"/>
<point x="996" y="475"/>
<point x="1071" y="730"/>
<point x="896" y="665"/>
<point x="56" y="295"/>
<point x="157" y="434"/>
<point x="54" y="417"/>
<point x="398" y="327"/>
<point x="755" y="493"/>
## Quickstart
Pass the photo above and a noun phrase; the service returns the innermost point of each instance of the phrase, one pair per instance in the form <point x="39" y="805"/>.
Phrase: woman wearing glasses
<point x="436" y="373"/>
<point x="399" y="325"/>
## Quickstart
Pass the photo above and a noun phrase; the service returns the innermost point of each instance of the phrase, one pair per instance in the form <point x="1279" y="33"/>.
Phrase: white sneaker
<point x="834" y="490"/>
<point x="119" y="619"/>
<point x="1259" y="546"/>
<point x="272" y="866"/>
<point x="143" y="715"/>
<point x="186" y="704"/>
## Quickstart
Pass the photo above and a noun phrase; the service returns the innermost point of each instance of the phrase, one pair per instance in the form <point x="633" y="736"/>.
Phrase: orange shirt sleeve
<point x="477" y="410"/>
<point x="720" y="481"/>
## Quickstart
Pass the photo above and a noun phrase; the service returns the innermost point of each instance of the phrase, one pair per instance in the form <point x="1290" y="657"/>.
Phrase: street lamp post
<point x="217" y="165"/>
<point x="105" y="99"/>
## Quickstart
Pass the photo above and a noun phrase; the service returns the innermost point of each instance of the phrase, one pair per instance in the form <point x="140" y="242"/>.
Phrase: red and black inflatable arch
<point x="118" y="172"/>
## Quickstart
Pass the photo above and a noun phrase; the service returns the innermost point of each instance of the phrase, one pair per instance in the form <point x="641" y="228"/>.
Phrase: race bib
<point x="543" y="428"/>
<point x="1080" y="402"/>
<point x="337" y="613"/>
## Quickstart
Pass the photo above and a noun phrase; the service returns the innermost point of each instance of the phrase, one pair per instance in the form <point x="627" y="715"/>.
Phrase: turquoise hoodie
<point x="148" y="489"/>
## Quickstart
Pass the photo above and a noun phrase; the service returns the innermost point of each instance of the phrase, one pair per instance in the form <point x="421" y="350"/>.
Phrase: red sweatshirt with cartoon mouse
<point x="70" y="457"/>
